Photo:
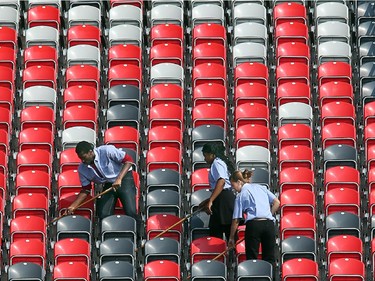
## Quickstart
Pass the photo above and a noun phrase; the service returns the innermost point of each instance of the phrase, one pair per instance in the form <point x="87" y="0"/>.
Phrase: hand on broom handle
<point x="83" y="203"/>
<point x="228" y="249"/>
<point x="179" y="222"/>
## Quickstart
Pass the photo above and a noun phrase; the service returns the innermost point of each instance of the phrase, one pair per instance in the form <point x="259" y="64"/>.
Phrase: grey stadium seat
<point x="208" y="270"/>
<point x="118" y="226"/>
<point x="42" y="35"/>
<point x="167" y="14"/>
<point x="250" y="32"/>
<point x="340" y="155"/>
<point x="207" y="13"/>
<point x="249" y="12"/>
<point x="333" y="30"/>
<point x="39" y="96"/>
<point x="254" y="270"/>
<point x="74" y="226"/>
<point x="342" y="223"/>
<point x="253" y="156"/>
<point x="83" y="54"/>
<point x="163" y="178"/>
<point x="116" y="270"/>
<point x="207" y="134"/>
<point x="124" y="94"/>
<point x="298" y="247"/>
<point x="163" y="201"/>
<point x="116" y="249"/>
<point x="84" y="14"/>
<point x="162" y="248"/>
<point x="331" y="11"/>
<point x="26" y="271"/>
<point x="334" y="51"/>
<point x="125" y="34"/>
<point x="295" y="112"/>
<point x="167" y="73"/>
<point x="9" y="17"/>
<point x="367" y="52"/>
<point x="73" y="135"/>
<point x="125" y="14"/>
<point x="122" y="115"/>
<point x="249" y="52"/>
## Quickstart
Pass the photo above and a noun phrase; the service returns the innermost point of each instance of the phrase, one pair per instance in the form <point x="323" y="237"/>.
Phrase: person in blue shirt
<point x="259" y="206"/>
<point x="221" y="202"/>
<point x="109" y="166"/>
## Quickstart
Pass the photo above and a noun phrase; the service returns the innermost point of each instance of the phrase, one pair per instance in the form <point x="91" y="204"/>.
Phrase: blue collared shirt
<point x="218" y="170"/>
<point x="108" y="160"/>
<point x="254" y="200"/>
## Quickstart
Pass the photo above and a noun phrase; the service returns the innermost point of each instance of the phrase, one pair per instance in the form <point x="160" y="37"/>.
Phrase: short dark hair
<point x="84" y="147"/>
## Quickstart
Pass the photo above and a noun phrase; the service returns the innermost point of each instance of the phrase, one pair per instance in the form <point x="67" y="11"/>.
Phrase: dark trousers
<point x="260" y="231"/>
<point x="105" y="205"/>
<point x="217" y="230"/>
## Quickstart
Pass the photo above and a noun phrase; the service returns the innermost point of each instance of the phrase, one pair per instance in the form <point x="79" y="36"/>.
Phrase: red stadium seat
<point x="158" y="223"/>
<point x="34" y="159"/>
<point x="209" y="53"/>
<point x="40" y="138"/>
<point x="38" y="117"/>
<point x="72" y="250"/>
<point x="293" y="52"/>
<point x="164" y="157"/>
<point x="165" y="136"/>
<point x="40" y="55"/>
<point x="252" y="72"/>
<point x="341" y="200"/>
<point x="293" y="92"/>
<point x="67" y="197"/>
<point x="122" y="137"/>
<point x="344" y="246"/>
<point x="294" y="134"/>
<point x="70" y="270"/>
<point x="166" y="93"/>
<point x="68" y="182"/>
<point x="341" y="176"/>
<point x="8" y="37"/>
<point x="69" y="160"/>
<point x="298" y="223"/>
<point x="80" y="115"/>
<point x="39" y="75"/>
<point x="43" y="16"/>
<point x="302" y="269"/>
<point x="80" y="95"/>
<point x="199" y="179"/>
<point x="339" y="133"/>
<point x="167" y="53"/>
<point x="297" y="200"/>
<point x="334" y="71"/>
<point x="125" y="74"/>
<point x="6" y="120"/>
<point x="206" y="248"/>
<point x="27" y="227"/>
<point x="209" y="33"/>
<point x="27" y="250"/>
<point x="251" y="113"/>
<point x="296" y="156"/>
<point x="337" y="112"/>
<point x="291" y="32"/>
<point x="162" y="270"/>
<point x="251" y="92"/>
<point x="30" y="204"/>
<point x="212" y="93"/>
<point x="83" y="74"/>
<point x="7" y="98"/>
<point x="33" y="181"/>
<point x="166" y="34"/>
<point x="84" y="34"/>
<point x="289" y="12"/>
<point x="209" y="114"/>
<point x="345" y="269"/>
<point x="125" y="54"/>
<point x="369" y="113"/>
<point x="7" y="57"/>
<point x="209" y="73"/>
<point x="4" y="141"/>
<point x="137" y="3"/>
<point x="335" y="91"/>
<point x="7" y="77"/>
<point x="252" y="134"/>
<point x="166" y="115"/>
<point x="292" y="72"/>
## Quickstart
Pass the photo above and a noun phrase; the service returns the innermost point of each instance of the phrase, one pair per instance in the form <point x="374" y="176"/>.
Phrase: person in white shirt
<point x="258" y="205"/>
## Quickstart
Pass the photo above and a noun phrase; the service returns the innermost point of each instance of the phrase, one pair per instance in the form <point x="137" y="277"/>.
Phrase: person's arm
<point x="275" y="206"/>
<point x="233" y="230"/>
<point x="79" y="200"/>
<point x="125" y="168"/>
<point x="215" y="193"/>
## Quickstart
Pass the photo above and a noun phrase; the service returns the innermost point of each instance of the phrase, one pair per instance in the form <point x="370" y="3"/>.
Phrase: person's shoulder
<point x="106" y="147"/>
<point x="81" y="167"/>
